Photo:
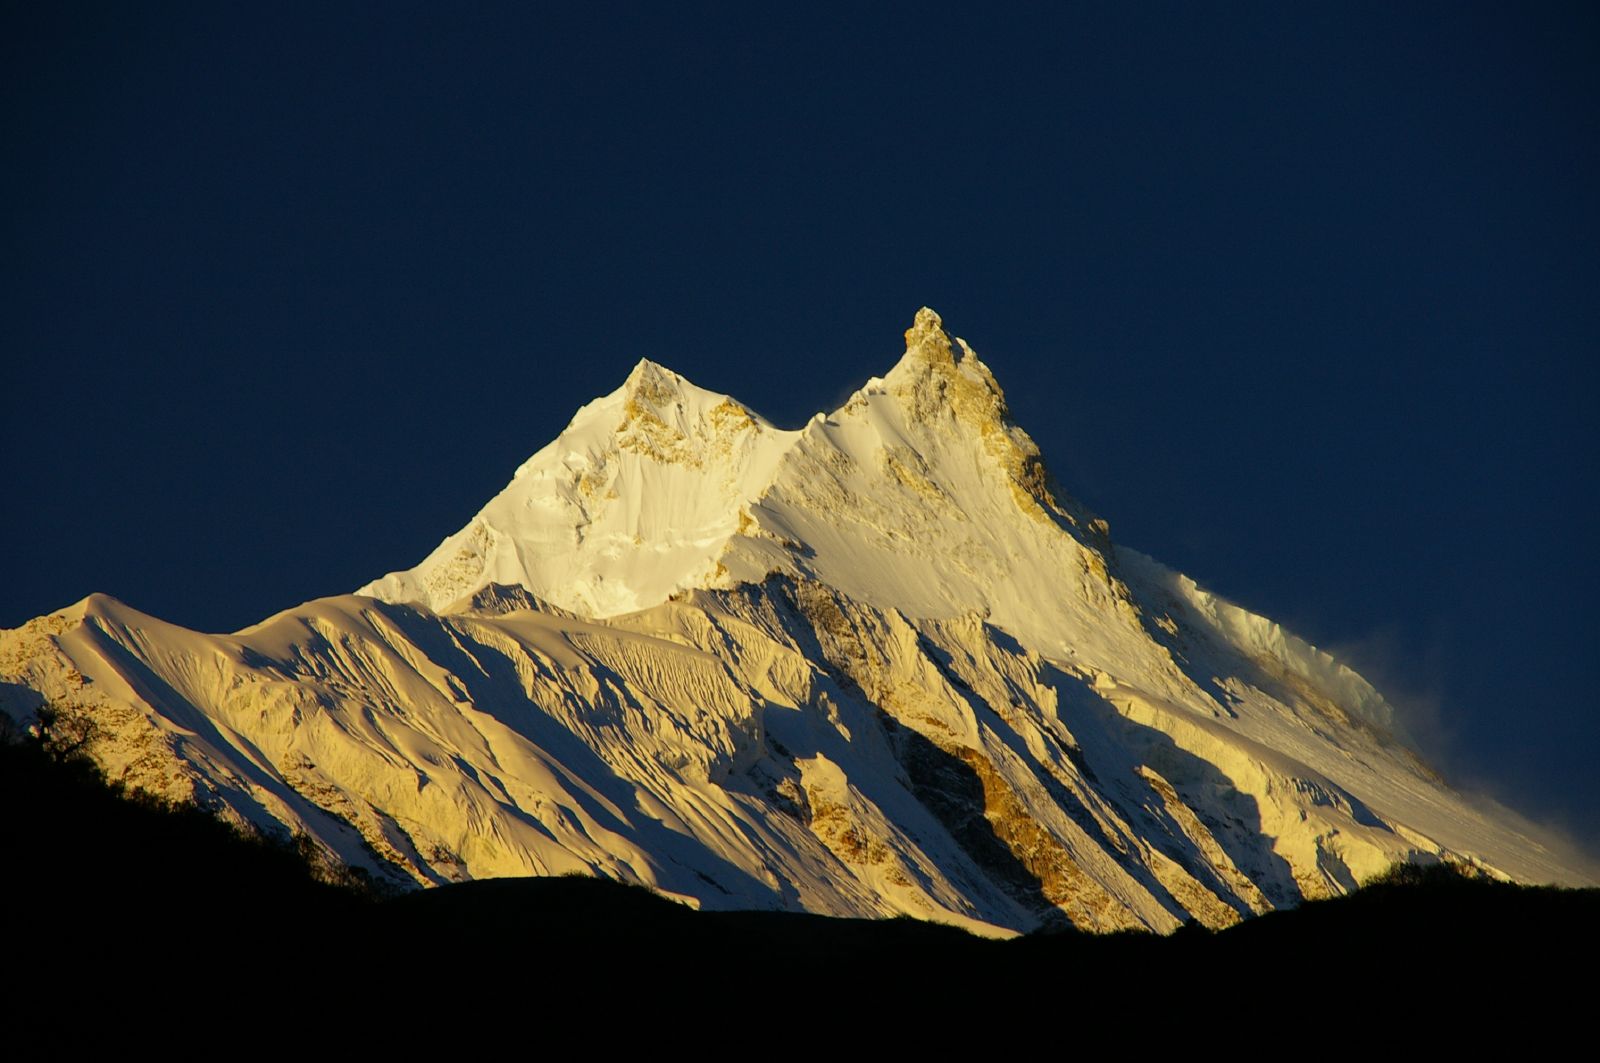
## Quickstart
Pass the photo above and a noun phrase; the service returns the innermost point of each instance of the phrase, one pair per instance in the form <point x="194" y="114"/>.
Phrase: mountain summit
<point x="880" y="664"/>
<point x="633" y="501"/>
<point x="904" y="495"/>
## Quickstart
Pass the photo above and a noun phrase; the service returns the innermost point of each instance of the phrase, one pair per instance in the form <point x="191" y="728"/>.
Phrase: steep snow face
<point x="920" y="494"/>
<point x="633" y="501"/>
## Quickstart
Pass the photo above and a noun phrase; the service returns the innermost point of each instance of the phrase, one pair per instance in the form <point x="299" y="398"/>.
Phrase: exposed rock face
<point x="877" y="665"/>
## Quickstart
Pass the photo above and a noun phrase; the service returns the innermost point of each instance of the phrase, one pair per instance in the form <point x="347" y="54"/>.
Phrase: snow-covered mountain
<point x="881" y="664"/>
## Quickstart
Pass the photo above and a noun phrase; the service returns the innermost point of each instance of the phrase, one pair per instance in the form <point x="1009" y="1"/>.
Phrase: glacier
<point x="881" y="664"/>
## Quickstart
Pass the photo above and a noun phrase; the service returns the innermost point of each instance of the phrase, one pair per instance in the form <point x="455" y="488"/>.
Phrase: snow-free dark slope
<point x="878" y="665"/>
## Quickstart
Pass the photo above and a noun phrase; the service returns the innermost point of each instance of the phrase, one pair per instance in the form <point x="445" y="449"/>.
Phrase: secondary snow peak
<point x="633" y="501"/>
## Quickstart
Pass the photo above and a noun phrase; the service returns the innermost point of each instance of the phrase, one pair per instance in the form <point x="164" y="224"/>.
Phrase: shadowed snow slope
<point x="879" y="665"/>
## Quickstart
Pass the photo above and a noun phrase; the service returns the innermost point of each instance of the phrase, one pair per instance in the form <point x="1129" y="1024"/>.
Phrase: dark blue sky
<point x="1304" y="299"/>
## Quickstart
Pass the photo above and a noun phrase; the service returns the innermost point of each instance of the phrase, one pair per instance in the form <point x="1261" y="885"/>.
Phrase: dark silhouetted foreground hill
<point x="93" y="879"/>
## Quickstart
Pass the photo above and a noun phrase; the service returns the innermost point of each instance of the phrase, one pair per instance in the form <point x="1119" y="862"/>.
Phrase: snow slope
<point x="635" y="500"/>
<point x="878" y="665"/>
